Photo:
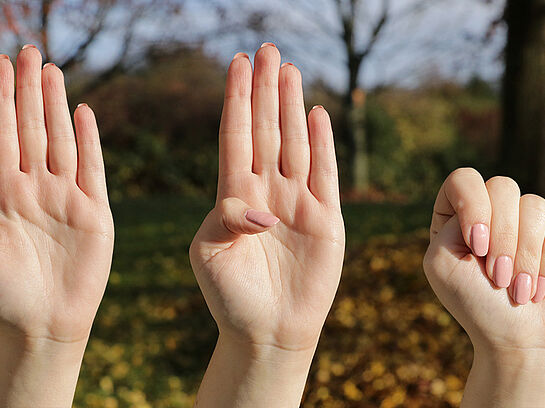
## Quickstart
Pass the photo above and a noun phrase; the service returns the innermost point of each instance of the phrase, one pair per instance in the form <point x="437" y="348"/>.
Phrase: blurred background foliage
<point x="159" y="135"/>
<point x="415" y="89"/>
<point x="156" y="143"/>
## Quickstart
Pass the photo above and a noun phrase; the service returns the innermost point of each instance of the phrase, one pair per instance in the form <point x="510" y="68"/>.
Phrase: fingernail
<point x="503" y="271"/>
<point x="48" y="64"/>
<point x="4" y="56"/>
<point x="479" y="239"/>
<point x="261" y="218"/>
<point x="241" y="55"/>
<point x="317" y="107"/>
<point x="285" y="64"/>
<point x="268" y="44"/>
<point x="82" y="104"/>
<point x="540" y="292"/>
<point x="523" y="288"/>
<point x="28" y="46"/>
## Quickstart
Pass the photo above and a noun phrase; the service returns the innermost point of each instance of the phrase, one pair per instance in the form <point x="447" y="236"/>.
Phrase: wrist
<point x="243" y="374"/>
<point x="38" y="371"/>
<point x="506" y="377"/>
<point x="273" y="354"/>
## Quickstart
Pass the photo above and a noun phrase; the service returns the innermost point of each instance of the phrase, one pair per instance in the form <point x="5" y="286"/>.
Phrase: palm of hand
<point x="56" y="229"/>
<point x="266" y="285"/>
<point x="284" y="273"/>
<point x="52" y="238"/>
<point x="459" y="279"/>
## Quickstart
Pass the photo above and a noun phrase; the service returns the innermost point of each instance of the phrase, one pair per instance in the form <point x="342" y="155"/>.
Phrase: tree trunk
<point x="354" y="111"/>
<point x="360" y="169"/>
<point x="523" y="139"/>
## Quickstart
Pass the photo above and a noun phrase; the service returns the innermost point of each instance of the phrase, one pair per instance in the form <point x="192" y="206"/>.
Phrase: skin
<point x="56" y="234"/>
<point x="508" y="337"/>
<point x="269" y="287"/>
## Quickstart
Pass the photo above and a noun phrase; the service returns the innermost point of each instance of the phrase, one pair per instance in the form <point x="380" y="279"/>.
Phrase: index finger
<point x="235" y="139"/>
<point x="464" y="193"/>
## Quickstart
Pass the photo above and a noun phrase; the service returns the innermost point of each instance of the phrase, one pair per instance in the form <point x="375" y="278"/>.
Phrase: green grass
<point x="365" y="220"/>
<point x="153" y="334"/>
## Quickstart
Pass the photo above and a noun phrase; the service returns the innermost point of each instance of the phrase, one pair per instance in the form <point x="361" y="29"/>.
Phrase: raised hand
<point x="268" y="257"/>
<point x="56" y="234"/>
<point x="485" y="238"/>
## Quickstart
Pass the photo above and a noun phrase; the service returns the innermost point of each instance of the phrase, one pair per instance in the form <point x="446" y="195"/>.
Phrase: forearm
<point x="38" y="372"/>
<point x="240" y="375"/>
<point x="506" y="378"/>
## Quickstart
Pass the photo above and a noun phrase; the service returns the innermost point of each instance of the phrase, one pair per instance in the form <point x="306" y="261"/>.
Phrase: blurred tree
<point x="357" y="26"/>
<point x="160" y="135"/>
<point x="523" y="147"/>
<point x="67" y="31"/>
<point x="354" y="101"/>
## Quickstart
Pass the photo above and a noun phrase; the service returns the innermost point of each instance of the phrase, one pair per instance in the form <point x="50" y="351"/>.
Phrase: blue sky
<point x="434" y="43"/>
<point x="445" y="40"/>
<point x="442" y="41"/>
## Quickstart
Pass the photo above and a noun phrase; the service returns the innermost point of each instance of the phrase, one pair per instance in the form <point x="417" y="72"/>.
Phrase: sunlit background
<point x="416" y="88"/>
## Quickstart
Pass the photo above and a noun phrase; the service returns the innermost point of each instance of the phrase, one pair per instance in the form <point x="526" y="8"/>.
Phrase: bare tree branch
<point x="79" y="52"/>
<point x="377" y="29"/>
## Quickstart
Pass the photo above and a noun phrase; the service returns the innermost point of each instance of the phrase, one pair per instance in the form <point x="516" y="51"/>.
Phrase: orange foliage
<point x="388" y="342"/>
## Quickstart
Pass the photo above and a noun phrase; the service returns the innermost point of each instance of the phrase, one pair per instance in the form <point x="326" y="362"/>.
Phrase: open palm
<point x="56" y="230"/>
<point x="271" y="278"/>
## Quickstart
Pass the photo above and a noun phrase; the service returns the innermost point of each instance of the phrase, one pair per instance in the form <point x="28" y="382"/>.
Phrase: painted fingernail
<point x="479" y="239"/>
<point x="285" y="64"/>
<point x="317" y="107"/>
<point x="540" y="292"/>
<point x="241" y="55"/>
<point x="503" y="271"/>
<point x="4" y="56"/>
<point x="82" y="104"/>
<point x="268" y="44"/>
<point x="48" y="64"/>
<point x="28" y="46"/>
<point x="261" y="218"/>
<point x="523" y="288"/>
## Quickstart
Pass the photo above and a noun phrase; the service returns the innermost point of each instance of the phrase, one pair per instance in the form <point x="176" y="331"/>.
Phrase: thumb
<point x="459" y="280"/>
<point x="444" y="253"/>
<point x="448" y="268"/>
<point x="232" y="218"/>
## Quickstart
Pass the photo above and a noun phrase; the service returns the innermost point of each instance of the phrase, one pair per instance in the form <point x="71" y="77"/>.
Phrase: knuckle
<point x="325" y="171"/>
<point x="65" y="135"/>
<point x="298" y="138"/>
<point x="528" y="258"/>
<point x="223" y="206"/>
<point x="227" y="206"/>
<point x="267" y="125"/>
<point x="506" y="236"/>
<point x="32" y="125"/>
<point x="96" y="169"/>
<point x="463" y="172"/>
<point x="504" y="183"/>
<point x="533" y="201"/>
<point x="235" y="131"/>
<point x="31" y="83"/>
